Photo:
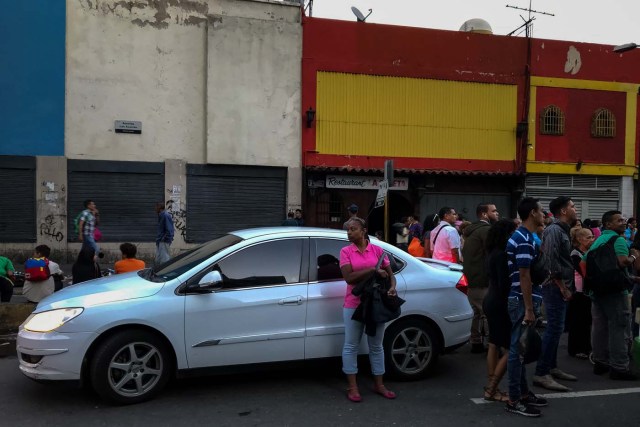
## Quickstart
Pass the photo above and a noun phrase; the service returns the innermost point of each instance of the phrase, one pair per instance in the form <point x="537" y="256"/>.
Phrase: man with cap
<point x="353" y="212"/>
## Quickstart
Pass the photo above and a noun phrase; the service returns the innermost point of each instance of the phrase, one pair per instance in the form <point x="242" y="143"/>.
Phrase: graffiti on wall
<point x="175" y="208"/>
<point x="49" y="229"/>
<point x="51" y="211"/>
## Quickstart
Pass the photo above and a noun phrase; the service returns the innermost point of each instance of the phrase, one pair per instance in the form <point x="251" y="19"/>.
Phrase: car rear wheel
<point x="130" y="367"/>
<point x="411" y="349"/>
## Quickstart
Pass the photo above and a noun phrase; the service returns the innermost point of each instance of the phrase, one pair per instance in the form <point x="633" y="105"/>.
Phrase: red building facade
<point x="459" y="114"/>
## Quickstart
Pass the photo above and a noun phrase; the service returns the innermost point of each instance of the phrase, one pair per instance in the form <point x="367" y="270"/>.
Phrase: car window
<point x="328" y="259"/>
<point x="263" y="264"/>
<point x="187" y="260"/>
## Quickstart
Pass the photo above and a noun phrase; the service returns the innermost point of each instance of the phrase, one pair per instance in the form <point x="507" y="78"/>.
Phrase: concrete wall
<point x="51" y="195"/>
<point x="131" y="61"/>
<point x="212" y="81"/>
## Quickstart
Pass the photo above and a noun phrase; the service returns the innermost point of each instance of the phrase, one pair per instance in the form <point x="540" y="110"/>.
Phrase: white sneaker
<point x="561" y="375"/>
<point x="549" y="383"/>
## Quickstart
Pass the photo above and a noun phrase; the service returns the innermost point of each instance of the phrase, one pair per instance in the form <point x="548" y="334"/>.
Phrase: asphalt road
<point x="314" y="395"/>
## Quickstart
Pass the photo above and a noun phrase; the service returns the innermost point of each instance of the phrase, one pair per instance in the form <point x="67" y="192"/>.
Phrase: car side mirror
<point x="212" y="280"/>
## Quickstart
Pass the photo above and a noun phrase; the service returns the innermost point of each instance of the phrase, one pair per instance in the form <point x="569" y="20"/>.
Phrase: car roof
<point x="251" y="233"/>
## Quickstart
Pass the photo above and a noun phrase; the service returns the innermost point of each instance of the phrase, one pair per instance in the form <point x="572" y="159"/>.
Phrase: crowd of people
<point x="86" y="265"/>
<point x="517" y="267"/>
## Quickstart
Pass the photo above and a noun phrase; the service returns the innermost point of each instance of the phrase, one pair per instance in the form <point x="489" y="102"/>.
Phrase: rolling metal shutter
<point x="222" y="198"/>
<point x="18" y="213"/>
<point x="593" y="195"/>
<point x="125" y="193"/>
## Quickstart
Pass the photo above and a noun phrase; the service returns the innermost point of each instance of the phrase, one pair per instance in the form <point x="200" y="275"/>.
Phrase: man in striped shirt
<point x="523" y="304"/>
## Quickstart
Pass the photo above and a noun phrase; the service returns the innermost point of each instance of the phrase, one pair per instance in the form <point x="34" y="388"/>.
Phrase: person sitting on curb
<point x="128" y="262"/>
<point x="6" y="279"/>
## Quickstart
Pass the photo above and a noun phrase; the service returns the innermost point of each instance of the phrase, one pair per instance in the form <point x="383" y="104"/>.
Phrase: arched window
<point x="552" y="121"/>
<point x="603" y="124"/>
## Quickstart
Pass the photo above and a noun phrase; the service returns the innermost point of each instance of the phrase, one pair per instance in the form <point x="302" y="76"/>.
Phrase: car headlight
<point x="48" y="321"/>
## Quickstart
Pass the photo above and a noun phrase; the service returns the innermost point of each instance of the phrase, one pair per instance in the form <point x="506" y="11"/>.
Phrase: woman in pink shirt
<point x="357" y="263"/>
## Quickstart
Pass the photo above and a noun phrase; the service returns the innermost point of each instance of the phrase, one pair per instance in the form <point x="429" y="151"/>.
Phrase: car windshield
<point x="186" y="261"/>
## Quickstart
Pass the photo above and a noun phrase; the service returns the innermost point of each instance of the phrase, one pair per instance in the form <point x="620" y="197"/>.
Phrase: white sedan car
<point x="251" y="296"/>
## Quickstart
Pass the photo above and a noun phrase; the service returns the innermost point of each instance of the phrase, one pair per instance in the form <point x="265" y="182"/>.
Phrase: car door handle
<point x="297" y="300"/>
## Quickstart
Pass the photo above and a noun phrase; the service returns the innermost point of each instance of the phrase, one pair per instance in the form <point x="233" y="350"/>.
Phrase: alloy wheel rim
<point x="411" y="350"/>
<point x="135" y="369"/>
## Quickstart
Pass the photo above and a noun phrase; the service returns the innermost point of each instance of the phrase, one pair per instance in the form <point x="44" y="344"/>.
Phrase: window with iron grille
<point x="552" y="121"/>
<point x="603" y="124"/>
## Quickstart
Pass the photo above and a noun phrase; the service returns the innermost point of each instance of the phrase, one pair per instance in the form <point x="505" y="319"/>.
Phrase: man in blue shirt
<point x="164" y="237"/>
<point x="523" y="305"/>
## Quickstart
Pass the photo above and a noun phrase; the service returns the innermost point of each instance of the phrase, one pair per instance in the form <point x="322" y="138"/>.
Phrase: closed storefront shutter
<point x="18" y="212"/>
<point x="223" y="198"/>
<point x="125" y="193"/>
<point x="592" y="195"/>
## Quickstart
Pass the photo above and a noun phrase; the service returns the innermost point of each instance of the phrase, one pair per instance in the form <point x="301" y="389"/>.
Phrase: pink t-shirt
<point x="359" y="261"/>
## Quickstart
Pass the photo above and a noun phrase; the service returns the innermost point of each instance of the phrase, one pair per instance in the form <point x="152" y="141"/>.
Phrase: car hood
<point x="101" y="291"/>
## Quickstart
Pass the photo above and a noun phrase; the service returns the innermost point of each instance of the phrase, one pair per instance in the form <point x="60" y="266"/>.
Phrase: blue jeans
<point x="555" y="309"/>
<point x="89" y="241"/>
<point x="353" y="331"/>
<point x="515" y="368"/>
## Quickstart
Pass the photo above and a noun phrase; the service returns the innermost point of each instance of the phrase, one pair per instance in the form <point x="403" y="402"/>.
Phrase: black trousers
<point x="6" y="289"/>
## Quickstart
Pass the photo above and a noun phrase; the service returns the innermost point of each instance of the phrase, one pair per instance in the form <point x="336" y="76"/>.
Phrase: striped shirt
<point x="521" y="251"/>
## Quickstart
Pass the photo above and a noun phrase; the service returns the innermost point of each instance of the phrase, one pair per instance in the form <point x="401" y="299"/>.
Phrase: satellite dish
<point x="359" y="15"/>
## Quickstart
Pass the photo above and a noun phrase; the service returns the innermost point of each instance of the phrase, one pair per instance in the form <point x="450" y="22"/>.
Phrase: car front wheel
<point x="130" y="367"/>
<point x="411" y="349"/>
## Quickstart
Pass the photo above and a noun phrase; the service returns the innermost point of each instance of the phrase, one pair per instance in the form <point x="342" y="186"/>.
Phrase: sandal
<point x="495" y="395"/>
<point x="384" y="392"/>
<point x="353" y="394"/>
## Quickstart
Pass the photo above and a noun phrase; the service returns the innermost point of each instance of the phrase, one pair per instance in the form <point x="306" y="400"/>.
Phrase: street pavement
<point x="314" y="395"/>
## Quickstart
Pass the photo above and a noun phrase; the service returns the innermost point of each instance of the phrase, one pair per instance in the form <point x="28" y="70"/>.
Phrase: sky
<point x="610" y="22"/>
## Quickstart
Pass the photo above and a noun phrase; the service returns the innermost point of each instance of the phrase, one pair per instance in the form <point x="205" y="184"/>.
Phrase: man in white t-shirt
<point x="34" y="292"/>
<point x="445" y="239"/>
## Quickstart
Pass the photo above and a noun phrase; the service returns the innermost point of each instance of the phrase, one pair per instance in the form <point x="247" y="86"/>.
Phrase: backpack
<point x="76" y="224"/>
<point x="539" y="269"/>
<point x="36" y="269"/>
<point x="604" y="275"/>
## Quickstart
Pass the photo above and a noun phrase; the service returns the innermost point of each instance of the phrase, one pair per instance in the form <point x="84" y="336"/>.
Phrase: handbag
<point x="530" y="344"/>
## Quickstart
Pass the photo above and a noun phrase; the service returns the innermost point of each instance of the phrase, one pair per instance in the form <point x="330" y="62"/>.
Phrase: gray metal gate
<point x="125" y="193"/>
<point x="223" y="198"/>
<point x="593" y="195"/>
<point x="18" y="213"/>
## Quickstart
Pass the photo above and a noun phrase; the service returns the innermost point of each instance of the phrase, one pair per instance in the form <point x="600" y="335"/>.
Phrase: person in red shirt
<point x="128" y="262"/>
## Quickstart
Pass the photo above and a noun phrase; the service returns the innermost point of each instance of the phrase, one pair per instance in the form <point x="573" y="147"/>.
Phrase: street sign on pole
<point x="388" y="172"/>
<point x="382" y="193"/>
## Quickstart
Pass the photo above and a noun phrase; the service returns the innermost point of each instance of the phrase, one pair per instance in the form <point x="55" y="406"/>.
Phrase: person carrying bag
<point x="361" y="263"/>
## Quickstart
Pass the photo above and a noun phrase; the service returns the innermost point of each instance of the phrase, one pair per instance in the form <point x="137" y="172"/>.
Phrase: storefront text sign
<point x="364" y="182"/>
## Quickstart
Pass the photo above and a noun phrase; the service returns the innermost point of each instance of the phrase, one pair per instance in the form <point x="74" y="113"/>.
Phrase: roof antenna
<point x="309" y="6"/>
<point x="527" y="22"/>
<point x="359" y="15"/>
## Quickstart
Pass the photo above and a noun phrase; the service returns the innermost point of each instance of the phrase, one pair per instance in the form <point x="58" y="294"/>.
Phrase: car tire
<point x="130" y="367"/>
<point x="411" y="348"/>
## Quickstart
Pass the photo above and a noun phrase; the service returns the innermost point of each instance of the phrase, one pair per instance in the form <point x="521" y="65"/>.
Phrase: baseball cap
<point x="353" y="208"/>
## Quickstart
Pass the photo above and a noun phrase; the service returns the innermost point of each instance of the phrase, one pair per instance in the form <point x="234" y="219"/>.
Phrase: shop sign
<point x="364" y="182"/>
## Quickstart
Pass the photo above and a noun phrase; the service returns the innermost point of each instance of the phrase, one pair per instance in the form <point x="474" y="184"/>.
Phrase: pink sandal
<point x="387" y="394"/>
<point x="353" y="394"/>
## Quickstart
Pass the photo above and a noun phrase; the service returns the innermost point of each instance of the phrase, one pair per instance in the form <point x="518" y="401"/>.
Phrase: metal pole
<point x="386" y="218"/>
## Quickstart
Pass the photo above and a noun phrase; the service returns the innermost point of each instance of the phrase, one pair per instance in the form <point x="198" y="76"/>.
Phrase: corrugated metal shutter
<point x="593" y="195"/>
<point x="18" y="213"/>
<point x="223" y="198"/>
<point x="125" y="193"/>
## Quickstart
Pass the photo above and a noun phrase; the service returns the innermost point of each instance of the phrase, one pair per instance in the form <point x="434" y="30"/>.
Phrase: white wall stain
<point x="574" y="61"/>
